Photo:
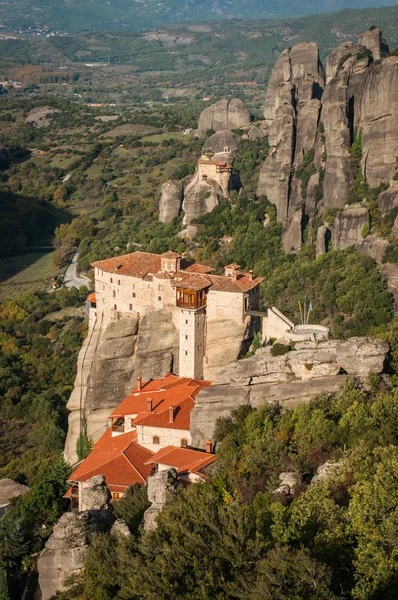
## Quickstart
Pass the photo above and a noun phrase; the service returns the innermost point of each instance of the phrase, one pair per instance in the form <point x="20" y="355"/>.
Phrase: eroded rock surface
<point x="224" y="114"/>
<point x="111" y="358"/>
<point x="161" y="487"/>
<point x="66" y="549"/>
<point x="290" y="379"/>
<point x="172" y="195"/>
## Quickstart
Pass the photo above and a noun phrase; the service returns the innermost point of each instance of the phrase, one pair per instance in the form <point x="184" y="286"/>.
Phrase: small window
<point x="102" y="272"/>
<point x="186" y="337"/>
<point x="155" y="440"/>
<point x="114" y="307"/>
<point x="130" y="307"/>
<point x="186" y="352"/>
<point x="133" y="294"/>
<point x="186" y="321"/>
<point x="184" y="443"/>
<point x="116" y="495"/>
<point x="118" y="281"/>
<point x="113" y="293"/>
<point x="159" y="298"/>
<point x="111" y="279"/>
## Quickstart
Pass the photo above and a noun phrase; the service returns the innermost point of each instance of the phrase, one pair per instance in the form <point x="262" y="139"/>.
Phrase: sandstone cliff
<point x="312" y="124"/>
<point x="111" y="359"/>
<point x="225" y="114"/>
<point x="290" y="379"/>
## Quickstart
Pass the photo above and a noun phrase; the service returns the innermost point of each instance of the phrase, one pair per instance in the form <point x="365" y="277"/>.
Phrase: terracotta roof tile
<point x="194" y="282"/>
<point x="136" y="264"/>
<point x="168" y="391"/>
<point x="160" y="418"/>
<point x="119" y="459"/>
<point x="197" y="268"/>
<point x="183" y="459"/>
<point x="170" y="254"/>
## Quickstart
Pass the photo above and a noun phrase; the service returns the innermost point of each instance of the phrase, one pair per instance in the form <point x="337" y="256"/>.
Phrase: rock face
<point x="64" y="554"/>
<point x="225" y="114"/>
<point x="67" y="547"/>
<point x="109" y="362"/>
<point x="161" y="487"/>
<point x="348" y="227"/>
<point x="172" y="195"/>
<point x="291" y="110"/>
<point x="290" y="379"/>
<point x="10" y="489"/>
<point x="200" y="197"/>
<point x="222" y="142"/>
<point x="311" y="127"/>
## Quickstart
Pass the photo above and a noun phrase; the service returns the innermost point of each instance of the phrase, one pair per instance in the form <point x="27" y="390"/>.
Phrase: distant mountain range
<point x="74" y="16"/>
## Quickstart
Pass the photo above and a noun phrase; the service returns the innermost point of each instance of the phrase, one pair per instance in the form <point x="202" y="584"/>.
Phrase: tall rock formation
<point x="172" y="195"/>
<point x="224" y="114"/>
<point x="312" y="127"/>
<point x="291" y="109"/>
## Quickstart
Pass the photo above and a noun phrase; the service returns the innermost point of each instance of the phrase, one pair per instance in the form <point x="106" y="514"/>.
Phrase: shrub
<point x="280" y="349"/>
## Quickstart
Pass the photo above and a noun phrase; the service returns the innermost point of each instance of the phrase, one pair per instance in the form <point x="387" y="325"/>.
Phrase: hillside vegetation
<point x="121" y="14"/>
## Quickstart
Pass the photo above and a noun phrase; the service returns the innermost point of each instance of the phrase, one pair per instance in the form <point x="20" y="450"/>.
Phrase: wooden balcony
<point x="190" y="299"/>
<point x="118" y="425"/>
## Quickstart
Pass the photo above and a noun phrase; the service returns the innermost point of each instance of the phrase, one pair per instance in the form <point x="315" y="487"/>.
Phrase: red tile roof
<point x="120" y="459"/>
<point x="194" y="282"/>
<point x="170" y="254"/>
<point x="171" y="390"/>
<point x="145" y="265"/>
<point x="183" y="459"/>
<point x="198" y="268"/>
<point x="135" y="264"/>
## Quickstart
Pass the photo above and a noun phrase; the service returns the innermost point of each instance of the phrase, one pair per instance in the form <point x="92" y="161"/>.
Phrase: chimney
<point x="149" y="401"/>
<point x="171" y="414"/>
<point x="251" y="275"/>
<point x="208" y="446"/>
<point x="139" y="383"/>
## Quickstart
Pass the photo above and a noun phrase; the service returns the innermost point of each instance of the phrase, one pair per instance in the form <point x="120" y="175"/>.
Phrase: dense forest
<point x="235" y="538"/>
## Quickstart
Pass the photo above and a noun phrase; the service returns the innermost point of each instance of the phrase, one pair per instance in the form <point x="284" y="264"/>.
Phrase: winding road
<point x="71" y="278"/>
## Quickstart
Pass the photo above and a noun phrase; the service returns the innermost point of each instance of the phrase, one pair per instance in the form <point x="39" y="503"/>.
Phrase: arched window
<point x="184" y="443"/>
<point x="155" y="440"/>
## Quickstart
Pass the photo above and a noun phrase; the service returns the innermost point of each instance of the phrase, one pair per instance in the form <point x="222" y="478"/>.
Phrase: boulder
<point x="64" y="553"/>
<point x="225" y="114"/>
<point x="120" y="528"/>
<point x="94" y="494"/>
<point x="172" y="195"/>
<point x="362" y="355"/>
<point x="161" y="487"/>
<point x="10" y="489"/>
<point x="325" y="470"/>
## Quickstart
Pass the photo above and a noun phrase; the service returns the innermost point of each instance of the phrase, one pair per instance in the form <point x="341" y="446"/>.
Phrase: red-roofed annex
<point x="155" y="416"/>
